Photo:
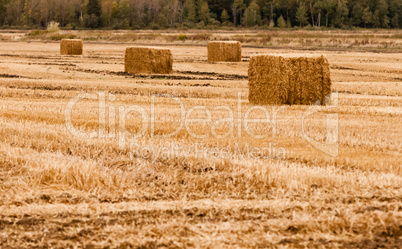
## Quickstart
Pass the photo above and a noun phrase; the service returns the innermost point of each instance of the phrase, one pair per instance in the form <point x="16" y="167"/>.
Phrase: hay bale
<point x="294" y="75"/>
<point x="148" y="60"/>
<point x="275" y="80"/>
<point x="326" y="80"/>
<point x="224" y="51"/>
<point x="71" y="47"/>
<point x="268" y="80"/>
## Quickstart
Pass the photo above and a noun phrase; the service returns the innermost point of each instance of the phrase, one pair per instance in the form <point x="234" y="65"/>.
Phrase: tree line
<point x="158" y="14"/>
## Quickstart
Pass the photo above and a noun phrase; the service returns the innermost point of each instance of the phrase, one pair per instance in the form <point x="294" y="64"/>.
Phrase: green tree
<point x="367" y="16"/>
<point x="169" y="13"/>
<point x="357" y="13"/>
<point x="26" y="16"/>
<point x="237" y="8"/>
<point x="252" y="15"/>
<point x="190" y="14"/>
<point x="162" y="19"/>
<point x="115" y="10"/>
<point x="312" y="10"/>
<point x="225" y="17"/>
<point x="94" y="14"/>
<point x="106" y="17"/>
<point x="281" y="22"/>
<point x="395" y="13"/>
<point x="380" y="17"/>
<point x="2" y="11"/>
<point x="282" y="6"/>
<point x="204" y="14"/>
<point x="341" y="13"/>
<point x="124" y="11"/>
<point x="301" y="14"/>
<point x="268" y="9"/>
<point x="327" y="7"/>
<point x="395" y="21"/>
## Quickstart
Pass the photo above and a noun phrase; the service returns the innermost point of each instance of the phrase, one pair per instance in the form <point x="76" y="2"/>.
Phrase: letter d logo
<point x="331" y="144"/>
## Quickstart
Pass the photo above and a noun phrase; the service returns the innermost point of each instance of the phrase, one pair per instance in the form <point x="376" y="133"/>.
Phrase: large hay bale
<point x="224" y="51"/>
<point x="326" y="80"/>
<point x="71" y="47"/>
<point x="275" y="80"/>
<point x="148" y="60"/>
<point x="293" y="72"/>
<point x="268" y="84"/>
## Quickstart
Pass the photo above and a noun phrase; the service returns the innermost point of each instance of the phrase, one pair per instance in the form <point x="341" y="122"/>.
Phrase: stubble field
<point x="210" y="185"/>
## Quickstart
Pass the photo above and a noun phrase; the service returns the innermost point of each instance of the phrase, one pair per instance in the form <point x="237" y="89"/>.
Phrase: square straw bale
<point x="146" y="60"/>
<point x="268" y="80"/>
<point x="224" y="51"/>
<point x="277" y="80"/>
<point x="71" y="47"/>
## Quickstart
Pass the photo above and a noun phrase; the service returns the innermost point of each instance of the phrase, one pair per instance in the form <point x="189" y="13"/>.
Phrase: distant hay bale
<point x="71" y="47"/>
<point x="224" y="51"/>
<point x="148" y="60"/>
<point x="275" y="80"/>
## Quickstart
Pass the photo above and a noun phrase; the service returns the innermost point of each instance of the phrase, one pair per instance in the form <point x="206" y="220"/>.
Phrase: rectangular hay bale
<point x="276" y="80"/>
<point x="224" y="51"/>
<point x="294" y="74"/>
<point x="326" y="81"/>
<point x="146" y="60"/>
<point x="310" y="80"/>
<point x="268" y="84"/>
<point x="71" y="47"/>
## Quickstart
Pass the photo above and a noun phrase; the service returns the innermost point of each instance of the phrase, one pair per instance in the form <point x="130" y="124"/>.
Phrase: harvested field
<point x="221" y="181"/>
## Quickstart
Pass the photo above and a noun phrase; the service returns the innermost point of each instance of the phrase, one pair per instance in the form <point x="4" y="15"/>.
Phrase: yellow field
<point x="220" y="184"/>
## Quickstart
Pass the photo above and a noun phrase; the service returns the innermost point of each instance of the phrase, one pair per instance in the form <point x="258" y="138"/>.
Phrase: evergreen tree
<point x="94" y="14"/>
<point x="327" y="7"/>
<point x="190" y="14"/>
<point x="395" y="13"/>
<point x="380" y="18"/>
<point x="2" y="9"/>
<point x="281" y="22"/>
<point x="357" y="13"/>
<point x="367" y="16"/>
<point x="171" y="13"/>
<point x="312" y="10"/>
<point x="395" y="21"/>
<point x="204" y="14"/>
<point x="163" y="20"/>
<point x="124" y="12"/>
<point x="26" y="16"/>
<point x="252" y="15"/>
<point x="341" y="13"/>
<point x="225" y="17"/>
<point x="237" y="8"/>
<point x="94" y="7"/>
<point x="115" y="10"/>
<point x="301" y="14"/>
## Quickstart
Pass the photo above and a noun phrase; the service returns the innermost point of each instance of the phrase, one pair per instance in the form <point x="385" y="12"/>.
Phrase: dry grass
<point x="382" y="40"/>
<point x="60" y="191"/>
